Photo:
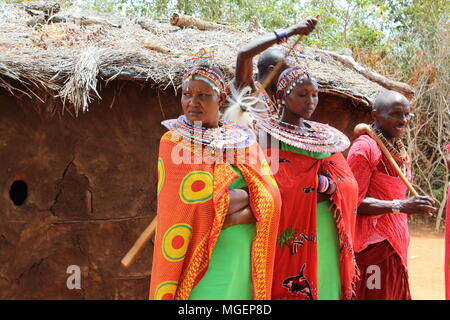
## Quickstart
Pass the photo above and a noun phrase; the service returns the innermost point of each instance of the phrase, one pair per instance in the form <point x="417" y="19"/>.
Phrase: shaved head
<point x="268" y="58"/>
<point x="266" y="63"/>
<point x="391" y="113"/>
<point x="388" y="98"/>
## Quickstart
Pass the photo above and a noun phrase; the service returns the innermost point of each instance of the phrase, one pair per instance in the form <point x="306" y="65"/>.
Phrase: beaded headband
<point x="291" y="77"/>
<point x="199" y="68"/>
<point x="213" y="77"/>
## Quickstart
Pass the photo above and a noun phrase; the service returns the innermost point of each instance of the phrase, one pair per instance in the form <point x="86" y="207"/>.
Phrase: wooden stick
<point x="364" y="128"/>
<point x="145" y="236"/>
<point x="181" y="21"/>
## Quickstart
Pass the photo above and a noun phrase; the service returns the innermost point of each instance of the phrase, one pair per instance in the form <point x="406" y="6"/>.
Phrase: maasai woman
<point x="218" y="206"/>
<point x="314" y="255"/>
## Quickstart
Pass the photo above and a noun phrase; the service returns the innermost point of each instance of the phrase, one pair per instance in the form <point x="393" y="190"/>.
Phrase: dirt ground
<point x="426" y="263"/>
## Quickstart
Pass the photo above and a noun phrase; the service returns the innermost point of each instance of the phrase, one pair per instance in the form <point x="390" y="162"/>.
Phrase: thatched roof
<point x="66" y="52"/>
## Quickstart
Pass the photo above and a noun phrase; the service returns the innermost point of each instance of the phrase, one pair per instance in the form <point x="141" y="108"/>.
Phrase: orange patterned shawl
<point x="192" y="204"/>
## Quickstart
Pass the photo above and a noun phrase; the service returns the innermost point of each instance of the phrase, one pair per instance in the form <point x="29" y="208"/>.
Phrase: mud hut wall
<point x="91" y="191"/>
<point x="341" y="113"/>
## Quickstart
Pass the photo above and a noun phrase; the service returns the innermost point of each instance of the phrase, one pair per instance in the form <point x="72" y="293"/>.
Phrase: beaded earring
<point x="281" y="103"/>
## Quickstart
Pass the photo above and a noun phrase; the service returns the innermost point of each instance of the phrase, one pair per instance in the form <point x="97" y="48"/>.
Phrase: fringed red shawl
<point x="295" y="275"/>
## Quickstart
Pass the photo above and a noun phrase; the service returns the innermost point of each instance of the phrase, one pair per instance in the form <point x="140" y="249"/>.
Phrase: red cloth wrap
<point x="296" y="178"/>
<point x="393" y="277"/>
<point x="363" y="159"/>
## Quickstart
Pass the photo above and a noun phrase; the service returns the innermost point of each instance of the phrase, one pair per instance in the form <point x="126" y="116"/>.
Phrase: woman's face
<point x="303" y="99"/>
<point x="201" y="103"/>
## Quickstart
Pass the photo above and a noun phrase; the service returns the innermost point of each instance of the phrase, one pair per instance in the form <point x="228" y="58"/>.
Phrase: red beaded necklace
<point x="397" y="150"/>
<point x="312" y="136"/>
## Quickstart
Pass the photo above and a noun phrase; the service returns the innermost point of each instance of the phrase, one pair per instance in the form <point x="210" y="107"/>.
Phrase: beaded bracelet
<point x="281" y="35"/>
<point x="325" y="185"/>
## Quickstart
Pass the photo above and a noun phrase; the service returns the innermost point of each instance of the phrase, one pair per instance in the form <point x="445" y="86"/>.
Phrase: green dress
<point x="328" y="273"/>
<point x="229" y="273"/>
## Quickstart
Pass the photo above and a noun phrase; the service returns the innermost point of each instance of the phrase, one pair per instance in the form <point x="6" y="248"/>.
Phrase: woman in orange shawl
<point x="218" y="206"/>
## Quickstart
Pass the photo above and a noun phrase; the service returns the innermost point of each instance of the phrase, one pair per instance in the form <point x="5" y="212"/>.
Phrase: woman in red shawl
<point x="314" y="255"/>
<point x="218" y="206"/>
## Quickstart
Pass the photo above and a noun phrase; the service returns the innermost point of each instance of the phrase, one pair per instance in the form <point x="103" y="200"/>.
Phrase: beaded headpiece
<point x="291" y="77"/>
<point x="200" y="70"/>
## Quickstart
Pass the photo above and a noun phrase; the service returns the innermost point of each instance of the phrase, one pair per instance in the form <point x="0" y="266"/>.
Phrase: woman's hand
<point x="238" y="200"/>
<point x="243" y="216"/>
<point x="415" y="205"/>
<point x="323" y="196"/>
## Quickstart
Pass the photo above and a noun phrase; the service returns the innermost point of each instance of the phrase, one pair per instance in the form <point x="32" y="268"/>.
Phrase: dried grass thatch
<point x="66" y="58"/>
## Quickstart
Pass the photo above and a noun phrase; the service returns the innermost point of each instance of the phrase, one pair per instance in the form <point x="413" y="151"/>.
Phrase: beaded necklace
<point x="227" y="136"/>
<point x="312" y="136"/>
<point x="398" y="150"/>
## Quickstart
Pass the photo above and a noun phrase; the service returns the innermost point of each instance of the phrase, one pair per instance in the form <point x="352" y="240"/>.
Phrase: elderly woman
<point x="218" y="207"/>
<point x="314" y="255"/>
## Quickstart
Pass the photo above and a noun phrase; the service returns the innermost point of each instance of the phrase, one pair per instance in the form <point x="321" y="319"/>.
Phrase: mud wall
<point x="91" y="184"/>
<point x="340" y="113"/>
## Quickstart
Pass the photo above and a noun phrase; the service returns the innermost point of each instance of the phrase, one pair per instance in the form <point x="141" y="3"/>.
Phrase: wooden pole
<point x="144" y="238"/>
<point x="364" y="128"/>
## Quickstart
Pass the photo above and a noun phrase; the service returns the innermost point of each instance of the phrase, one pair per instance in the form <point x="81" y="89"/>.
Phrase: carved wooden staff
<point x="363" y="128"/>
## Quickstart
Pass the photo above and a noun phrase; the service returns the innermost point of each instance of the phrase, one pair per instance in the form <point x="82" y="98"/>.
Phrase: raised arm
<point x="244" y="63"/>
